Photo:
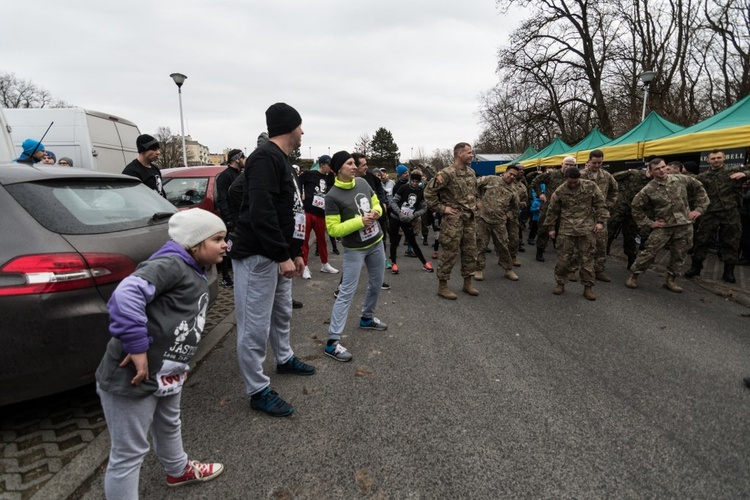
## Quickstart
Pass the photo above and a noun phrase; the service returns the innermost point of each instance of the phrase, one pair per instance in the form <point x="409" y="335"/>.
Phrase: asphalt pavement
<point x="515" y="393"/>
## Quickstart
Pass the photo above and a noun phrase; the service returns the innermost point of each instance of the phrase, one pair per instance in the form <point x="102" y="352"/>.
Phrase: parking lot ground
<point x="56" y="447"/>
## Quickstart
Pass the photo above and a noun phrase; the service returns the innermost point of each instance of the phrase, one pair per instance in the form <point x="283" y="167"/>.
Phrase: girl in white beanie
<point x="157" y="316"/>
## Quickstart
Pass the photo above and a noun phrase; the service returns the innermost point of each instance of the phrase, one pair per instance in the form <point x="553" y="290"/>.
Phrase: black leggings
<point x="393" y="227"/>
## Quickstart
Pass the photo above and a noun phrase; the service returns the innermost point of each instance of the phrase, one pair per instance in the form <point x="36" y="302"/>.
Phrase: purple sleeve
<point x="127" y="313"/>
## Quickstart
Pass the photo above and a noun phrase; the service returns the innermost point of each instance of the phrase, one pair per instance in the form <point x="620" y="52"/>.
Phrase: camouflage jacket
<point x="578" y="209"/>
<point x="668" y="201"/>
<point x="499" y="199"/>
<point x="454" y="188"/>
<point x="522" y="188"/>
<point x="724" y="193"/>
<point x="607" y="185"/>
<point x="629" y="183"/>
<point x="552" y="179"/>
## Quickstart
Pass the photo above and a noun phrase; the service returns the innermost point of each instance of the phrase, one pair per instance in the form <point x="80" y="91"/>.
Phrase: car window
<point x="71" y="206"/>
<point x="185" y="191"/>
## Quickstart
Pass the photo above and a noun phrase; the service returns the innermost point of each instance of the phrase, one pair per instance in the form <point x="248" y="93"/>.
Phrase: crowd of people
<point x="269" y="210"/>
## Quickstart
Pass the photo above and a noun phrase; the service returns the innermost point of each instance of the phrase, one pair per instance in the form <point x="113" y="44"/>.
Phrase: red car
<point x="191" y="187"/>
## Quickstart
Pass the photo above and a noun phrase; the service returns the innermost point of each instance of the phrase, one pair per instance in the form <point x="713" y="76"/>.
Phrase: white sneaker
<point x="306" y="274"/>
<point x="328" y="268"/>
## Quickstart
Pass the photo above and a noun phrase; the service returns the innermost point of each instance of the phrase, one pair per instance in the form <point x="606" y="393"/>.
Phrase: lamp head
<point x="647" y="77"/>
<point x="178" y="78"/>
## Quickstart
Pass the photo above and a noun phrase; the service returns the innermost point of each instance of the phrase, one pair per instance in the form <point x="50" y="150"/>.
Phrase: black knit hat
<point x="281" y="119"/>
<point x="145" y="143"/>
<point x="338" y="160"/>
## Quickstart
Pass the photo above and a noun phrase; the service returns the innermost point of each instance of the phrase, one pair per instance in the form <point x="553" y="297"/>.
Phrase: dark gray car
<point x="67" y="238"/>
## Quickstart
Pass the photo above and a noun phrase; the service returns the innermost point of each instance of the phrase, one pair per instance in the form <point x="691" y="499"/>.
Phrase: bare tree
<point x="364" y="144"/>
<point x="171" y="148"/>
<point x="18" y="93"/>
<point x="440" y="159"/>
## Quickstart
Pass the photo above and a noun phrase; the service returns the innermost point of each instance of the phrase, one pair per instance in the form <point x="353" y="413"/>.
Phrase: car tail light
<point x="60" y="272"/>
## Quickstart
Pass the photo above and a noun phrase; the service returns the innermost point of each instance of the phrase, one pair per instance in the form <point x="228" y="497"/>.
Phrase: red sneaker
<point x="394" y="268"/>
<point x="196" y="471"/>
<point x="427" y="267"/>
<point x="434" y="255"/>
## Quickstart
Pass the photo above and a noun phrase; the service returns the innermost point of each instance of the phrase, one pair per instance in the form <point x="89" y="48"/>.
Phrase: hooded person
<point x="33" y="152"/>
<point x="267" y="253"/>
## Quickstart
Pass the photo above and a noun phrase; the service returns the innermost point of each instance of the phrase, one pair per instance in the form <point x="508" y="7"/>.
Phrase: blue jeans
<point x="263" y="304"/>
<point x="373" y="257"/>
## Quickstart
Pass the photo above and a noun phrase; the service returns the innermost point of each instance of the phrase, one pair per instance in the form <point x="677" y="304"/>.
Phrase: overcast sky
<point x="415" y="67"/>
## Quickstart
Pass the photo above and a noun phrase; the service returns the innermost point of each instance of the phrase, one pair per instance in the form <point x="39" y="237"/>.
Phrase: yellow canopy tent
<point x="725" y="130"/>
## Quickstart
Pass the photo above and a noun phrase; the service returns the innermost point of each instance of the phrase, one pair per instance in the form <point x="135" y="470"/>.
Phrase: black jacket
<point x="223" y="181"/>
<point x="266" y="223"/>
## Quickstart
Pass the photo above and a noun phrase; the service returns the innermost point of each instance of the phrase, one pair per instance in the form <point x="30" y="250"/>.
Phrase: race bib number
<point x="170" y="381"/>
<point x="370" y="231"/>
<point x="299" y="226"/>
<point x="319" y="201"/>
<point x="407" y="211"/>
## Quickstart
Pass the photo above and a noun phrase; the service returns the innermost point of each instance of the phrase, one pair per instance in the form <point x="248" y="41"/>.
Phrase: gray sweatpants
<point x="373" y="258"/>
<point x="129" y="421"/>
<point x="263" y="304"/>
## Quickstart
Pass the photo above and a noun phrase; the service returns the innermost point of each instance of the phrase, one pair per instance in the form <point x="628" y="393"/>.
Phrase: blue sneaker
<point x="295" y="367"/>
<point x="372" y="324"/>
<point x="387" y="263"/>
<point x="338" y="352"/>
<point x="270" y="402"/>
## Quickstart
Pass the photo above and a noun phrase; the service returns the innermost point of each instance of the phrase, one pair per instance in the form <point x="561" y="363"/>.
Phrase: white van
<point x="6" y="143"/>
<point x="93" y="140"/>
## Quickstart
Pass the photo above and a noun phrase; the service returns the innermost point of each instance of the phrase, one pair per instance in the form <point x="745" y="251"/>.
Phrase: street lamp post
<point x="179" y="79"/>
<point x="646" y="77"/>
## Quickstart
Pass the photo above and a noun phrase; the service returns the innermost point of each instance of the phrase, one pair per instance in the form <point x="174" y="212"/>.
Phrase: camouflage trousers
<point x="574" y="252"/>
<point x="514" y="240"/>
<point x="729" y="224"/>
<point x="679" y="238"/>
<point x="624" y="223"/>
<point x="499" y="235"/>
<point x="458" y="233"/>
<point x="543" y="237"/>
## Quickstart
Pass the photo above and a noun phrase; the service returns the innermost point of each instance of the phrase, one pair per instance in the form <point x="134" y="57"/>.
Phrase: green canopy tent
<point x="554" y="148"/>
<point x="727" y="129"/>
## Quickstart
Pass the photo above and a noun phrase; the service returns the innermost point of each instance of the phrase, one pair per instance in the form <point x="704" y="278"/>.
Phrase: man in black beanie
<point x="143" y="166"/>
<point x="267" y="254"/>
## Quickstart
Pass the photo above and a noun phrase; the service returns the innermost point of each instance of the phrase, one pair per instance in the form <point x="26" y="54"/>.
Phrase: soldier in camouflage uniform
<point x="629" y="183"/>
<point x="453" y="194"/>
<point x="608" y="186"/>
<point x="552" y="179"/>
<point x="499" y="201"/>
<point x="667" y="198"/>
<point x="724" y="187"/>
<point x="514" y="223"/>
<point x="580" y="208"/>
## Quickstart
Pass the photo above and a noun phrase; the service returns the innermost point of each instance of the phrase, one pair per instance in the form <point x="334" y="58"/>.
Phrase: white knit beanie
<point x="189" y="227"/>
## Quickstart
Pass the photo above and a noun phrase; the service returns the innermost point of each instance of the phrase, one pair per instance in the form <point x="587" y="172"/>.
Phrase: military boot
<point x="479" y="275"/>
<point x="671" y="285"/>
<point x="632" y="281"/>
<point x="695" y="269"/>
<point x="511" y="275"/>
<point x="539" y="255"/>
<point x="559" y="289"/>
<point x="445" y="292"/>
<point x="601" y="276"/>
<point x="728" y="275"/>
<point x="588" y="293"/>
<point x="516" y="262"/>
<point x="469" y="287"/>
<point x="572" y="277"/>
